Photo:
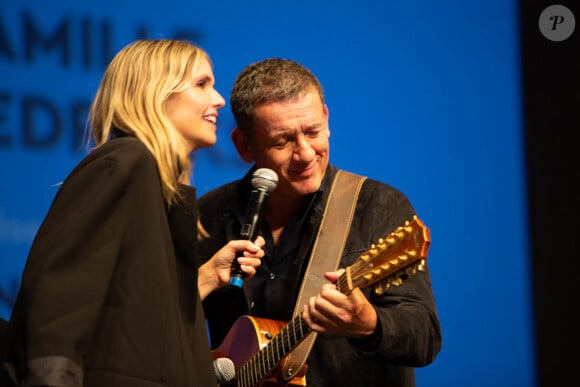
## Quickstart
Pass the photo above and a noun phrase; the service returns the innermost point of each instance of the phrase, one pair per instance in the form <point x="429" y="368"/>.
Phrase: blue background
<point x="423" y="95"/>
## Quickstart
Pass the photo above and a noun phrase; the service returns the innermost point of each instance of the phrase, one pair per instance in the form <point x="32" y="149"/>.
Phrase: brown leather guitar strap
<point x="325" y="256"/>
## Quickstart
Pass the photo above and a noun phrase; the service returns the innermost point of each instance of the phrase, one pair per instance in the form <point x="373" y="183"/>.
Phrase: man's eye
<point x="314" y="133"/>
<point x="280" y="144"/>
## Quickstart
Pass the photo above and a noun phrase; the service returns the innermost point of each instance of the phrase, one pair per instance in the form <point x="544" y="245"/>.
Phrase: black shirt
<point x="274" y="287"/>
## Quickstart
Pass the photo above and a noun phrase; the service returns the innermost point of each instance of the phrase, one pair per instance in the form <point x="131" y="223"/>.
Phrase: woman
<point x="111" y="292"/>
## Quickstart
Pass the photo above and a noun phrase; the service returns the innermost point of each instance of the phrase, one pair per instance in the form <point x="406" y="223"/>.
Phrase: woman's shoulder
<point x="122" y="148"/>
<point x="125" y="150"/>
<point x="118" y="157"/>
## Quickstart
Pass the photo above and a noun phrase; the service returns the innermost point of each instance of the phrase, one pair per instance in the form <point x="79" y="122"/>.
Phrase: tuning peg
<point x="422" y="265"/>
<point x="386" y="266"/>
<point x="377" y="272"/>
<point x="414" y="269"/>
<point x="381" y="243"/>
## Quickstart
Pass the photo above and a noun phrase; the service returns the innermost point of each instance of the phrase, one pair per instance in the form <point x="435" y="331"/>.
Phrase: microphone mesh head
<point x="265" y="179"/>
<point x="225" y="370"/>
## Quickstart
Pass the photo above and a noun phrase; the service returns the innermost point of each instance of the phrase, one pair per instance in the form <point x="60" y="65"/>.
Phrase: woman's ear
<point x="242" y="145"/>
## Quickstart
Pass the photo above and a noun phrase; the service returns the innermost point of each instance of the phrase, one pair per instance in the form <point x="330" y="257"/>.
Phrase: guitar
<point x="258" y="346"/>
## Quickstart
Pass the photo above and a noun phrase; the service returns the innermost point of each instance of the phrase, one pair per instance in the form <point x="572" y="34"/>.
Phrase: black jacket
<point x="410" y="330"/>
<point x="109" y="291"/>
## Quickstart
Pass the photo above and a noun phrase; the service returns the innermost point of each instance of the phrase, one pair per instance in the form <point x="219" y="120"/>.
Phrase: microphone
<point x="264" y="181"/>
<point x="224" y="369"/>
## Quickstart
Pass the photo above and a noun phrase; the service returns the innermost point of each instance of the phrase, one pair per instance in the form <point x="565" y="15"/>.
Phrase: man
<point x="364" y="339"/>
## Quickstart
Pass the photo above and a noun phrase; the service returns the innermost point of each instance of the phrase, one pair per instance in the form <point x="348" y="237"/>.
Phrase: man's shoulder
<point x="224" y="194"/>
<point x="370" y="183"/>
<point x="375" y="194"/>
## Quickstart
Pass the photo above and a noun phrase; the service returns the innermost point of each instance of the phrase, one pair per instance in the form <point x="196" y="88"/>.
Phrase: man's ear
<point x="326" y="115"/>
<point x="242" y="145"/>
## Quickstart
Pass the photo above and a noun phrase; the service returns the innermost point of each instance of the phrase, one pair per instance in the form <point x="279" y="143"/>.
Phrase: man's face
<point x="291" y="138"/>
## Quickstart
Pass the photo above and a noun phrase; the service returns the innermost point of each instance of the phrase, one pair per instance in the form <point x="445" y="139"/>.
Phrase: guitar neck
<point x="266" y="359"/>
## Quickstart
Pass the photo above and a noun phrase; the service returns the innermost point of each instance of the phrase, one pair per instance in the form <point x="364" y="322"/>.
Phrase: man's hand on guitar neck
<point x="336" y="313"/>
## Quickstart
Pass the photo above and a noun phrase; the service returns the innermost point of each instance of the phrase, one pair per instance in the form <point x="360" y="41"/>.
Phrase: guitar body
<point x="245" y="338"/>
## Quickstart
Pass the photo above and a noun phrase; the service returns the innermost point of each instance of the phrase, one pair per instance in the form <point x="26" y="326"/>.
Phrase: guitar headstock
<point x="391" y="260"/>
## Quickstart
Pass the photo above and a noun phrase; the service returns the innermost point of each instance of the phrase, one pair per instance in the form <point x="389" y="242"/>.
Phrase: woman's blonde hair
<point x="132" y="96"/>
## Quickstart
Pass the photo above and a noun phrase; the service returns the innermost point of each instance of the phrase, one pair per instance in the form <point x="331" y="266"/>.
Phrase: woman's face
<point x="194" y="111"/>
